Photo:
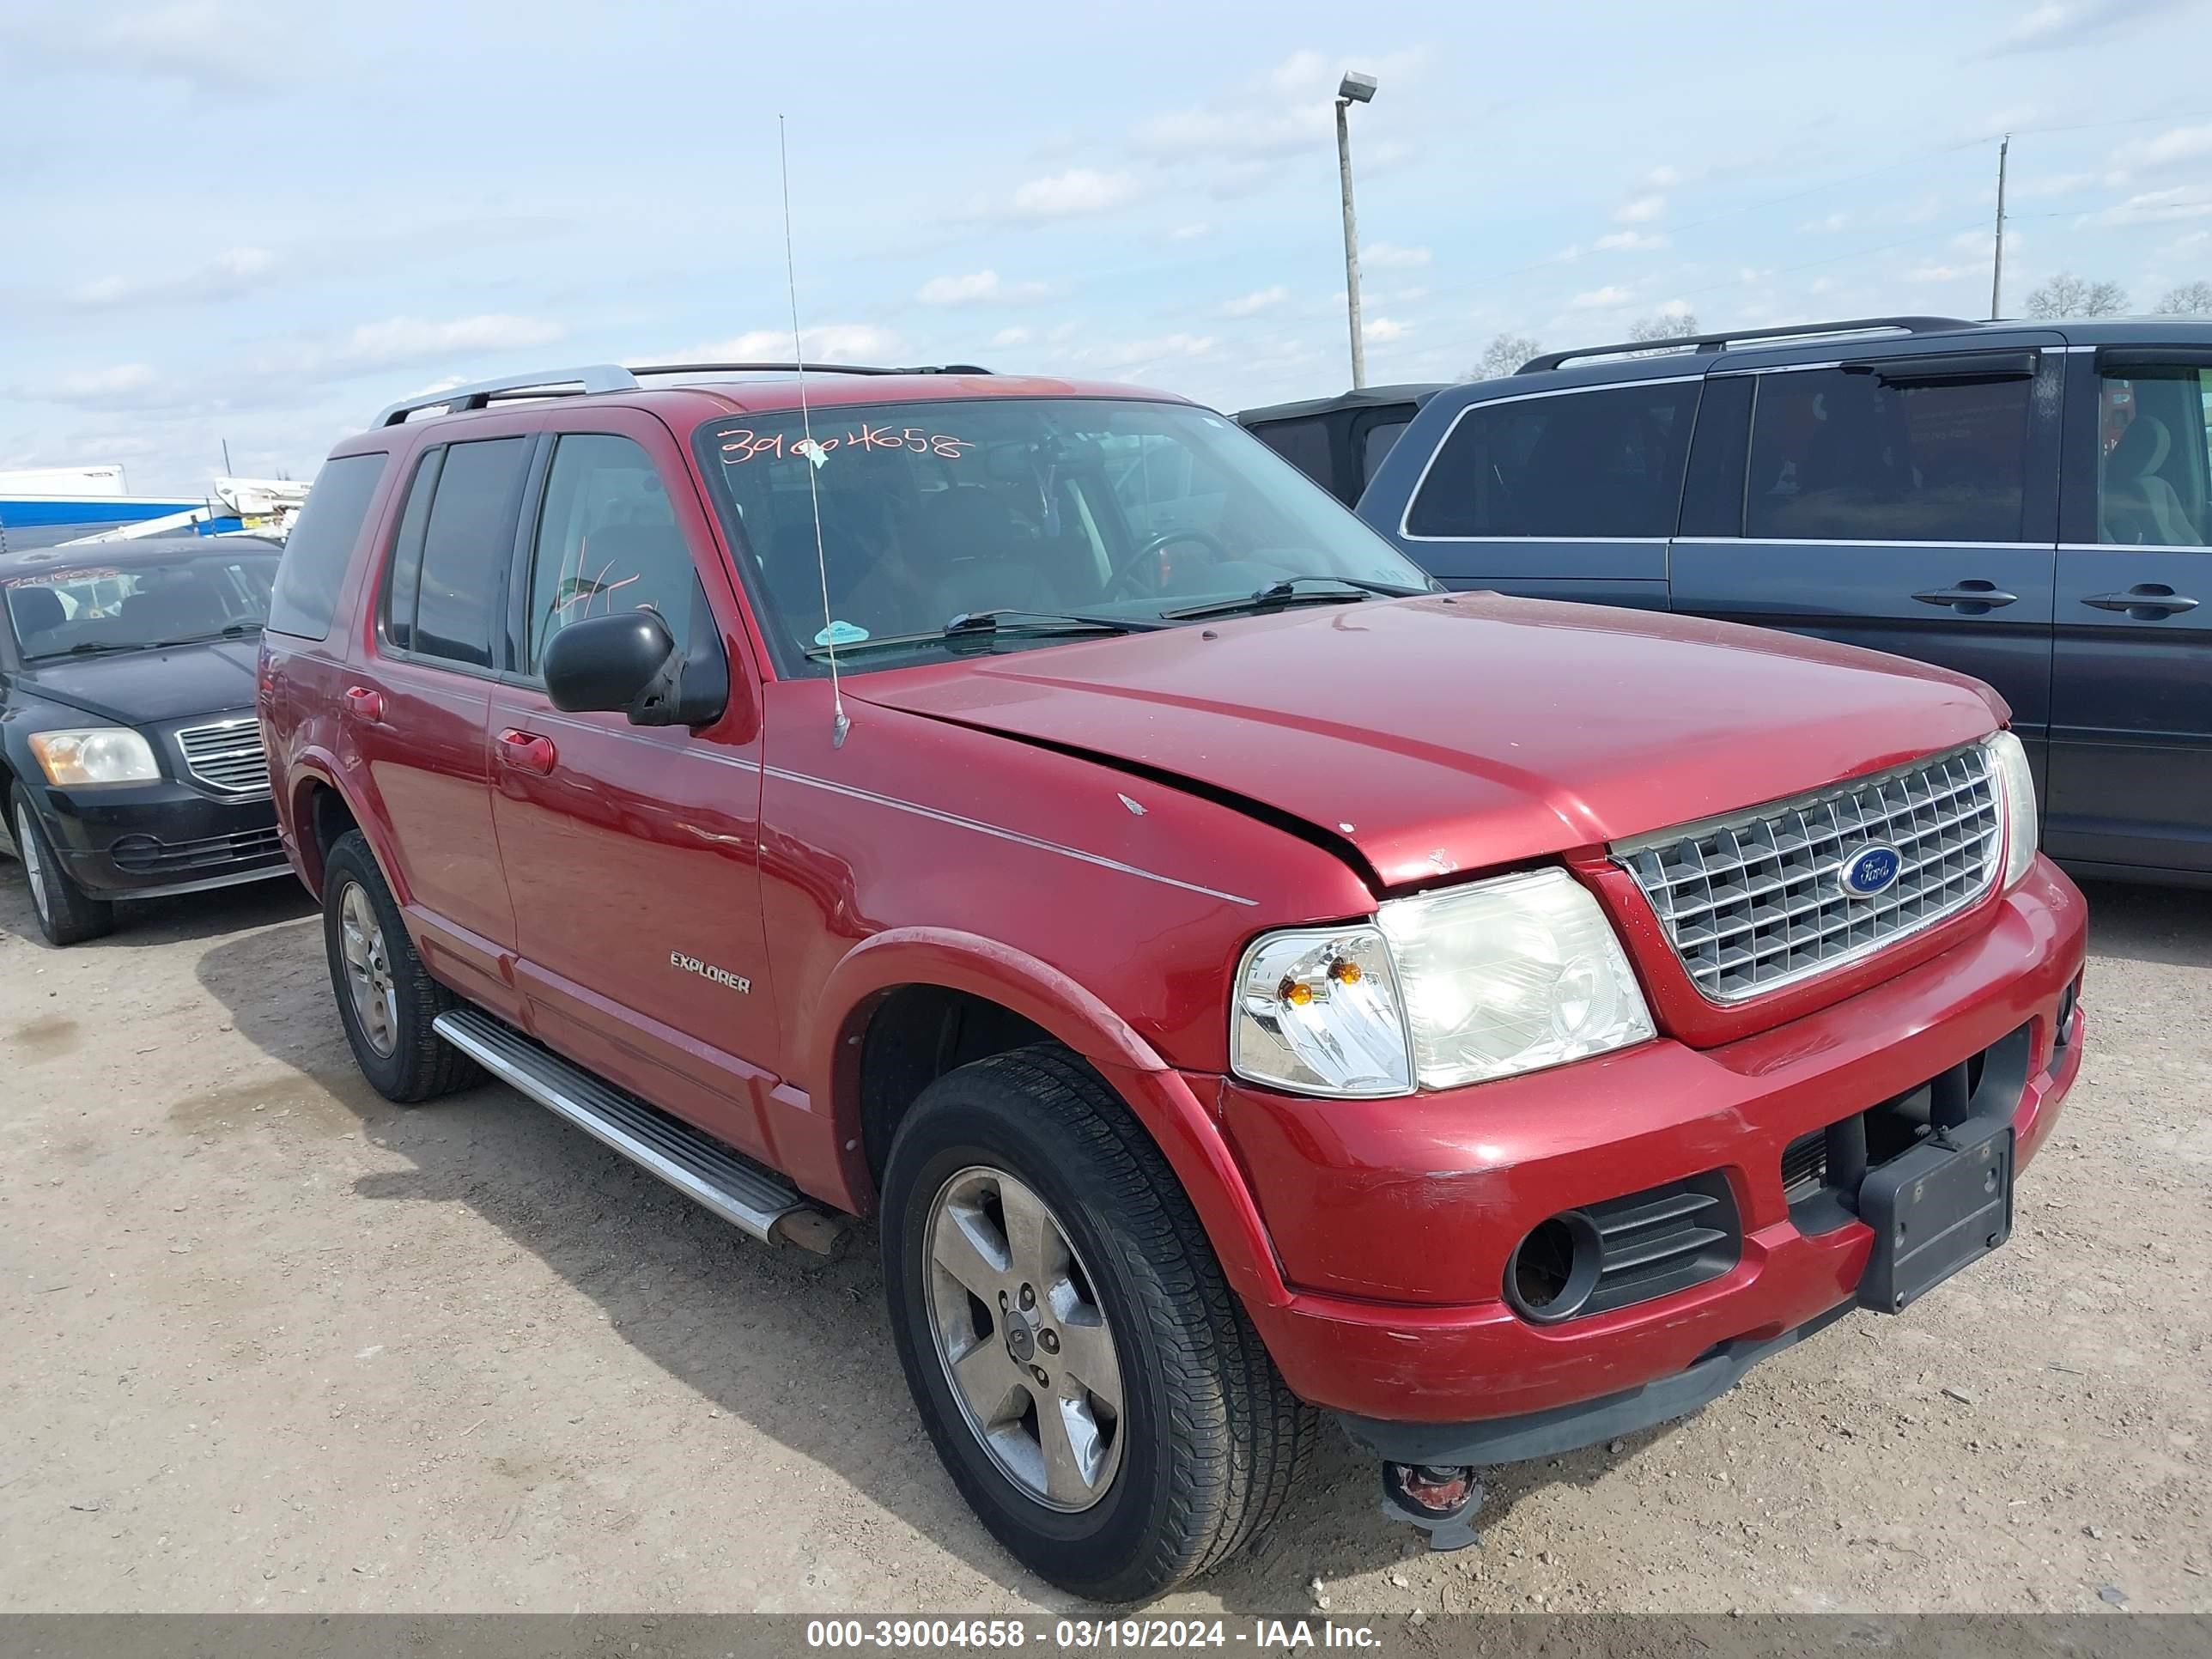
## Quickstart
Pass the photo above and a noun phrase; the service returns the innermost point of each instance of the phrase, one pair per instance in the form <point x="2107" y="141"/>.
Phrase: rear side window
<point x="2154" y="456"/>
<point x="447" y="590"/>
<point x="1381" y="439"/>
<point x="1842" y="455"/>
<point x="1587" y="466"/>
<point x="321" y="545"/>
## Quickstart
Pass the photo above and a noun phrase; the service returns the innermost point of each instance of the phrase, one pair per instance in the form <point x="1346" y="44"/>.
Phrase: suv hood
<point x="144" y="688"/>
<point x="1448" y="733"/>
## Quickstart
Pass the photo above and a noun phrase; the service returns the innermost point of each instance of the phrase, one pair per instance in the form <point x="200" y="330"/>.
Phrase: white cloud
<point x="1640" y="211"/>
<point x="978" y="288"/>
<point x="1190" y="232"/>
<point x="409" y="339"/>
<point x="193" y="42"/>
<point x="124" y="384"/>
<point x="1664" y="176"/>
<point x="2179" y="144"/>
<point x="1384" y="256"/>
<point x="1016" y="336"/>
<point x="1251" y="305"/>
<point x="2057" y="23"/>
<point x="828" y="343"/>
<point x="1129" y="357"/>
<point x="2153" y="207"/>
<point x="1379" y="329"/>
<point x="1934" y="273"/>
<point x="1611" y="294"/>
<point x="1827" y="224"/>
<point x="1676" y="310"/>
<point x="1078" y="190"/>
<point x="1629" y="241"/>
<point x="227" y="276"/>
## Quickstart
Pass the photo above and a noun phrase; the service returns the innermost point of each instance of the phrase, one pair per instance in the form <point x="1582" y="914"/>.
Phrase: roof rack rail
<point x="810" y="368"/>
<point x="544" y="383"/>
<point x="1713" y="343"/>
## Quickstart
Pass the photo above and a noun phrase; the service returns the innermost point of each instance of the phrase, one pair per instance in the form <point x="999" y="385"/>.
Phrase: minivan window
<point x="1841" y="455"/>
<point x="1585" y="465"/>
<point x="1122" y="510"/>
<point x="463" y="557"/>
<point x="2154" y="473"/>
<point x="607" y="540"/>
<point x="321" y="545"/>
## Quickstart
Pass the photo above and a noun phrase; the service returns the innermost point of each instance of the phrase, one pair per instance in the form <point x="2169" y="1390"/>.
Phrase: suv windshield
<point x="92" y="608"/>
<point x="1087" y="513"/>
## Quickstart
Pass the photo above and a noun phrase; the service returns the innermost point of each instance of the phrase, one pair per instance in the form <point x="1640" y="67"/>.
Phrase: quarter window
<point x="321" y="545"/>
<point x="1847" y="455"/>
<point x="2154" y="456"/>
<point x="458" y="580"/>
<point x="607" y="540"/>
<point x="1589" y="466"/>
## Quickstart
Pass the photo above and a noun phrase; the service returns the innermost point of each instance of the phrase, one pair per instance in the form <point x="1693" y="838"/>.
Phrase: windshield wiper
<point x="229" y="631"/>
<point x="1009" y="620"/>
<point x="1291" y="591"/>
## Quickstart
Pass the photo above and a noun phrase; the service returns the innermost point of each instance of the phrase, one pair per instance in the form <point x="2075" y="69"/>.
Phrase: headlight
<point x="100" y="754"/>
<point x="1455" y="986"/>
<point x="2023" y="830"/>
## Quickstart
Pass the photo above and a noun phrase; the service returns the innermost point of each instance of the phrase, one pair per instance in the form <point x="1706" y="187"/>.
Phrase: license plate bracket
<point x="1942" y="1206"/>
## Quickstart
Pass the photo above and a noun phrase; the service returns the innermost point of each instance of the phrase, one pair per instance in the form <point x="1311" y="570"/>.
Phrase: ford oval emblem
<point x="1870" y="871"/>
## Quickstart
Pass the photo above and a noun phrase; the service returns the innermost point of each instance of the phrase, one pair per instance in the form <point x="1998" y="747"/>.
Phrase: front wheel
<point x="1087" y="1375"/>
<point x="67" y="914"/>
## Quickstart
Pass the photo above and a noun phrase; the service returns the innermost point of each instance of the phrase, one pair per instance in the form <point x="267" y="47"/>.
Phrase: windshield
<point x="91" y="608"/>
<point x="1037" y="508"/>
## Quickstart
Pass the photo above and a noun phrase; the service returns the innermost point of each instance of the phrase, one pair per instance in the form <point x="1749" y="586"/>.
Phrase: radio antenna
<point x="812" y="450"/>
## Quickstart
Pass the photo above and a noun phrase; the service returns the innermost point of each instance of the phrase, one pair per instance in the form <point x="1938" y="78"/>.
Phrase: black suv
<point x="2031" y="505"/>
<point x="130" y="758"/>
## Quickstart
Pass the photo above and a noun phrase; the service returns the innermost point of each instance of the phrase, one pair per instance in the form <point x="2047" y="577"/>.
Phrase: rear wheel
<point x="67" y="914"/>
<point x="1083" y="1368"/>
<point x="387" y="998"/>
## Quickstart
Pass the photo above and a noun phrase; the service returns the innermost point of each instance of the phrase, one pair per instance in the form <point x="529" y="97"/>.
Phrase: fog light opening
<point x="1553" y="1270"/>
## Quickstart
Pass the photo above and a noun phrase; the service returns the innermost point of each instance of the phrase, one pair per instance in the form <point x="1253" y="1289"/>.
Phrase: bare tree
<point x="2069" y="295"/>
<point x="2189" y="299"/>
<point x="1505" y="354"/>
<point x="1662" y="325"/>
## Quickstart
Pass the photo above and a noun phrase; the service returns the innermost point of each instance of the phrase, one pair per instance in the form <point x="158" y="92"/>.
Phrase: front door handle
<point x="1971" y="598"/>
<point x="526" y="751"/>
<point x="365" y="702"/>
<point x="2145" y="601"/>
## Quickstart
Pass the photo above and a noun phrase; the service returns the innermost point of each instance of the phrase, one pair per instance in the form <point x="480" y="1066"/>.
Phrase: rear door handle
<point x="526" y="751"/>
<point x="2145" y="601"/>
<point x="1971" y="598"/>
<point x="368" y="704"/>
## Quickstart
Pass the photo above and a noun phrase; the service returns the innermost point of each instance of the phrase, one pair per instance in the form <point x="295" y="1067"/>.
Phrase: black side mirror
<point x="628" y="663"/>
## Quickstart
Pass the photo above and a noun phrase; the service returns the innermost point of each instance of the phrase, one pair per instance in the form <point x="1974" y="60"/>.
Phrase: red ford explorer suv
<point x="1244" y="983"/>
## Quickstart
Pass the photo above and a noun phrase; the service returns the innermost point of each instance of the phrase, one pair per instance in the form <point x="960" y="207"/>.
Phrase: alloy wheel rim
<point x="369" y="969"/>
<point x="33" y="866"/>
<point x="1027" y="1351"/>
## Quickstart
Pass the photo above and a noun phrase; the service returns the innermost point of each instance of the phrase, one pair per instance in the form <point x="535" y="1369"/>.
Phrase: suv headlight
<point x="97" y="754"/>
<point x="2023" y="830"/>
<point x="1449" y="988"/>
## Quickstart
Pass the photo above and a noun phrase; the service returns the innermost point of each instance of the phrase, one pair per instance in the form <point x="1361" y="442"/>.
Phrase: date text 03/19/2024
<point x="1089" y="1635"/>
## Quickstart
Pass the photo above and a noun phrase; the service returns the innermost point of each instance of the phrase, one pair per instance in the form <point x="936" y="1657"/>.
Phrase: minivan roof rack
<point x="1713" y="343"/>
<point x="614" y="377"/>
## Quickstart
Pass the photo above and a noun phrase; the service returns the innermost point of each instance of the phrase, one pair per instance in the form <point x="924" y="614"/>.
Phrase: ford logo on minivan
<point x="1870" y="871"/>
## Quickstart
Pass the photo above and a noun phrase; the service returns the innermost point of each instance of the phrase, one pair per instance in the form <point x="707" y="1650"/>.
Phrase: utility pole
<point x="1996" y="271"/>
<point x="226" y="458"/>
<point x="1355" y="89"/>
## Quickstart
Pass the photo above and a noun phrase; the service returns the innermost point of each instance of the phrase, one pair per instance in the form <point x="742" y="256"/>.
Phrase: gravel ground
<point x="269" y="1342"/>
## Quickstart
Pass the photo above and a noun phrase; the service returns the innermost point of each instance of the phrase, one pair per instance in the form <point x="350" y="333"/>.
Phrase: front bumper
<point x="142" y="840"/>
<point x="1393" y="1221"/>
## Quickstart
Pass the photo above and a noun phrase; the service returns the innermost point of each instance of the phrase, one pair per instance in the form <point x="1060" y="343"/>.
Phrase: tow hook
<point x="1441" y="1499"/>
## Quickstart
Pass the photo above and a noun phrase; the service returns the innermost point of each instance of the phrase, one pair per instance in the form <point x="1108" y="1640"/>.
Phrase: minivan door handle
<point x="1971" y="598"/>
<point x="2145" y="601"/>
<point x="526" y="751"/>
<point x="365" y="702"/>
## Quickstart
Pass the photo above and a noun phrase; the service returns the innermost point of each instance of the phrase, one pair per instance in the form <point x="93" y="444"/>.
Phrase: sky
<point x="233" y="221"/>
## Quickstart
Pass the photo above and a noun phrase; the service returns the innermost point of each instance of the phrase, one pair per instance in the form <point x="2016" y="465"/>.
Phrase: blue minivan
<point x="2030" y="504"/>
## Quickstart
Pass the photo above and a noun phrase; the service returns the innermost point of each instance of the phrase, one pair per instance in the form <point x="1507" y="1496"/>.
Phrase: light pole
<point x="1356" y="88"/>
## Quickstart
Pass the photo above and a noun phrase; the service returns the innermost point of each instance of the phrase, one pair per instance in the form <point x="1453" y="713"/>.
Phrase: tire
<point x="1208" y="1440"/>
<point x="67" y="914"/>
<point x="393" y="1042"/>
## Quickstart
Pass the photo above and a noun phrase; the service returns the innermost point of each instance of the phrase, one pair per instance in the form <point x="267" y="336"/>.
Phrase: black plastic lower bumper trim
<point x="1570" y="1428"/>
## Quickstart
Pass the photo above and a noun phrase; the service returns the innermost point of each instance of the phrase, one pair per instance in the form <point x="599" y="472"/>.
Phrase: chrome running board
<point x="697" y="1164"/>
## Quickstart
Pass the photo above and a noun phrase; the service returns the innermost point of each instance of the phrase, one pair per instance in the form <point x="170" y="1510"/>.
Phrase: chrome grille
<point x="226" y="756"/>
<point x="1754" y="900"/>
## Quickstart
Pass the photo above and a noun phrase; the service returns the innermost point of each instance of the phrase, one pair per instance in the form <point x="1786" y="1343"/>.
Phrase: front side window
<point x="1850" y="455"/>
<point x="456" y="582"/>
<point x="88" y="609"/>
<point x="1589" y="465"/>
<point x="1125" y="512"/>
<point x="607" y="540"/>
<point x="2154" y="468"/>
